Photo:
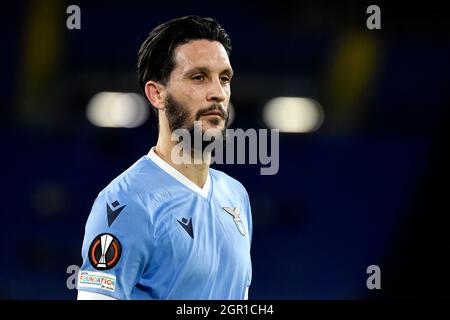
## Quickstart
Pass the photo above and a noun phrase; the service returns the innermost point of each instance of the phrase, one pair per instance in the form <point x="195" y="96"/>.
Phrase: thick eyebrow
<point x="207" y="70"/>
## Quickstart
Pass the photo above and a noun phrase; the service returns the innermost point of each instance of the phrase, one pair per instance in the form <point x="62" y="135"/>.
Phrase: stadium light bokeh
<point x="293" y="114"/>
<point x="117" y="110"/>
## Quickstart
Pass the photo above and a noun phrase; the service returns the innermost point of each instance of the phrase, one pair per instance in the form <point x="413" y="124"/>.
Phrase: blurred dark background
<point x="369" y="187"/>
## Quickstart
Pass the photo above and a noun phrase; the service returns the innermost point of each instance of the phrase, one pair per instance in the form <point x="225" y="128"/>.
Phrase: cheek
<point x="186" y="96"/>
<point x="227" y="95"/>
<point x="193" y="98"/>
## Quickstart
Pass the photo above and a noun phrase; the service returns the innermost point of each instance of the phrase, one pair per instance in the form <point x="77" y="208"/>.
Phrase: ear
<point x="156" y="94"/>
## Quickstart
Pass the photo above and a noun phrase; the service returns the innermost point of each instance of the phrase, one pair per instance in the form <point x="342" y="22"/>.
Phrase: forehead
<point x="201" y="53"/>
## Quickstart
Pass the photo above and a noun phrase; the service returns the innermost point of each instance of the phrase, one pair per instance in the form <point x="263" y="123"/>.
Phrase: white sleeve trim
<point x="246" y="293"/>
<point x="87" y="295"/>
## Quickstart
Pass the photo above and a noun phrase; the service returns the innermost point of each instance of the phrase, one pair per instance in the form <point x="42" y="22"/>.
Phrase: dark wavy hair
<point x="156" y="55"/>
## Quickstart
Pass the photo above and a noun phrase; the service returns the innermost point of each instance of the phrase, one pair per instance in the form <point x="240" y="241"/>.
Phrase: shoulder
<point x="141" y="183"/>
<point x="225" y="181"/>
<point x="120" y="202"/>
<point x="142" y="191"/>
<point x="132" y="179"/>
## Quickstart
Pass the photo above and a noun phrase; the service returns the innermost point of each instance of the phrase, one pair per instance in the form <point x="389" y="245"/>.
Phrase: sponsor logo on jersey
<point x="187" y="226"/>
<point x="98" y="280"/>
<point x="111" y="213"/>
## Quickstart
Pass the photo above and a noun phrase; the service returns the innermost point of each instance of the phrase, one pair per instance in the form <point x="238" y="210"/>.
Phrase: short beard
<point x="178" y="118"/>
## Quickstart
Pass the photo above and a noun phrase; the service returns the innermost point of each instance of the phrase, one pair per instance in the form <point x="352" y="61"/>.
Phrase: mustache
<point x="214" y="107"/>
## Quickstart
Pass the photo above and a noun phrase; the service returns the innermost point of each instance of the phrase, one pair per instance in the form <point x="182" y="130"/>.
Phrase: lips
<point x="213" y="113"/>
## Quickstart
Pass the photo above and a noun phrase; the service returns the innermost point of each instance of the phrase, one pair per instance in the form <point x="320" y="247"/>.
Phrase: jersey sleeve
<point x="249" y="214"/>
<point x="117" y="245"/>
<point x="248" y="210"/>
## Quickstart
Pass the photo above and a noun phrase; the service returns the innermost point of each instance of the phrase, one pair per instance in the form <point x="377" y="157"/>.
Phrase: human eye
<point x="198" y="77"/>
<point x="225" y="78"/>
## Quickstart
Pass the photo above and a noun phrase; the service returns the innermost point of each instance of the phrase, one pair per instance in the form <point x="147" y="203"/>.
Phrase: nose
<point x="216" y="91"/>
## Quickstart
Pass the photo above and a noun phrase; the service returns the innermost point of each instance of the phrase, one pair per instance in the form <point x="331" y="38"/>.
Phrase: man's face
<point x="199" y="86"/>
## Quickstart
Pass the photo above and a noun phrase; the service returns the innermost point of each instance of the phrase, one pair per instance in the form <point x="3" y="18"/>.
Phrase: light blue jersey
<point x="153" y="234"/>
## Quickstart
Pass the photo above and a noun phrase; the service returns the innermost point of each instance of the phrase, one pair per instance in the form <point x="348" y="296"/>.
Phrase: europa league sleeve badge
<point x="104" y="251"/>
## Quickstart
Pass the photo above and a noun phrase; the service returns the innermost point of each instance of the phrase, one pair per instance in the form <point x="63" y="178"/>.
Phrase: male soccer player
<point x="164" y="229"/>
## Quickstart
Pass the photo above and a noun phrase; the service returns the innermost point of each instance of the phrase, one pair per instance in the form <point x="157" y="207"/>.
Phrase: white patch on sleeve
<point x="97" y="280"/>
<point x="246" y="293"/>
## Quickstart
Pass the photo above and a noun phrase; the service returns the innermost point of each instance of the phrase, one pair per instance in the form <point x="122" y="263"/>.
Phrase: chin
<point x="213" y="128"/>
<point x="213" y="125"/>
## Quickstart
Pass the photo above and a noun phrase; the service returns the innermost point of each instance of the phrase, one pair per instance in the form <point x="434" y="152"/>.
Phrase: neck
<point x="197" y="173"/>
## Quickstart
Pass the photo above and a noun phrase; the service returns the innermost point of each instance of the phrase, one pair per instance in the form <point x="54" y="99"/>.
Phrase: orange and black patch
<point x="104" y="251"/>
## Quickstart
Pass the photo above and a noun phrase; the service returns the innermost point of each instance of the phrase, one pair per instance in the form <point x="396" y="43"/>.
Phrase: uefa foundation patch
<point x="98" y="280"/>
<point x="104" y="251"/>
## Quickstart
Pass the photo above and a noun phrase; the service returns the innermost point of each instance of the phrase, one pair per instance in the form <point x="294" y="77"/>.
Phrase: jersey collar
<point x="179" y="176"/>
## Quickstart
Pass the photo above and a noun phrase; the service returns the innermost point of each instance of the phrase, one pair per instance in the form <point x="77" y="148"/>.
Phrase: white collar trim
<point x="179" y="176"/>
